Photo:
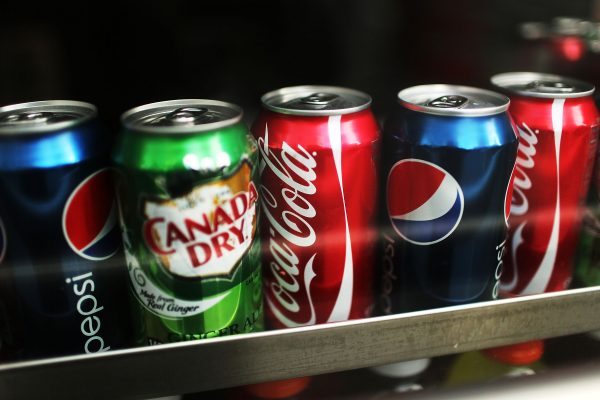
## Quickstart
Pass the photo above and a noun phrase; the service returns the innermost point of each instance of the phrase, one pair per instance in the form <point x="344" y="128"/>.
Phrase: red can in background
<point x="319" y="154"/>
<point x="557" y="123"/>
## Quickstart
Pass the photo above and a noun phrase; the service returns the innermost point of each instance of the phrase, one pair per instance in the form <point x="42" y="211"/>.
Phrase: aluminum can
<point x="62" y="273"/>
<point x="587" y="255"/>
<point x="557" y="123"/>
<point x="186" y="186"/>
<point x="449" y="152"/>
<point x="477" y="367"/>
<point x="319" y="152"/>
<point x="587" y="259"/>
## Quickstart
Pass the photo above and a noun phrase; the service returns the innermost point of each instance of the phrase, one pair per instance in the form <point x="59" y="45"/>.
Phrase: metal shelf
<point x="238" y="360"/>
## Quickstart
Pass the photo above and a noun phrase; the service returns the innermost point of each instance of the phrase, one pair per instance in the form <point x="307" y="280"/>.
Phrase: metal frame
<point x="238" y="360"/>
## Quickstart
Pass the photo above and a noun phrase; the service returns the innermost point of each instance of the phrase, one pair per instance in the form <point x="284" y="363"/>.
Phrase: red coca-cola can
<point x="318" y="170"/>
<point x="557" y="123"/>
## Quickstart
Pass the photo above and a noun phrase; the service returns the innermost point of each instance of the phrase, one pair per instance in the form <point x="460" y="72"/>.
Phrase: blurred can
<point x="557" y="123"/>
<point x="186" y="186"/>
<point x="587" y="259"/>
<point x="475" y="367"/>
<point x="319" y="149"/>
<point x="587" y="267"/>
<point x="449" y="152"/>
<point x="398" y="378"/>
<point x="62" y="273"/>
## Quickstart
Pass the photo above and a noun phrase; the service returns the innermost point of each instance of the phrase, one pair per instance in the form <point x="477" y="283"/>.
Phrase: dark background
<point x="124" y="54"/>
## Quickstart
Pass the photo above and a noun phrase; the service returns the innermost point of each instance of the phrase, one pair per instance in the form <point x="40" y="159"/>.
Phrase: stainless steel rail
<point x="238" y="360"/>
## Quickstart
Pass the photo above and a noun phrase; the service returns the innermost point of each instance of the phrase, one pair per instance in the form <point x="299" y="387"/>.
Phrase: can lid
<point x="403" y="369"/>
<point x="43" y="116"/>
<point x="282" y="389"/>
<point x="316" y="100"/>
<point x="547" y="86"/>
<point x="182" y="116"/>
<point x="453" y="100"/>
<point x="517" y="354"/>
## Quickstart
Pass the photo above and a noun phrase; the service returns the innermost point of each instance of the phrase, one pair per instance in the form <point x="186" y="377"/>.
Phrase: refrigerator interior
<point x="118" y="56"/>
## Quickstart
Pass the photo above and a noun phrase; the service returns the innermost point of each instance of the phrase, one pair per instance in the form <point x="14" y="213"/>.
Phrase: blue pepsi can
<point x="449" y="155"/>
<point x="63" y="283"/>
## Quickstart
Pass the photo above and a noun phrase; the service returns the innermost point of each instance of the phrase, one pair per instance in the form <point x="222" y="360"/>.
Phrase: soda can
<point x="557" y="124"/>
<point x="399" y="378"/>
<point x="449" y="152"/>
<point x="477" y="367"/>
<point x="274" y="390"/>
<point x="319" y="152"/>
<point x="62" y="272"/>
<point x="187" y="191"/>
<point x="587" y="258"/>
<point x="587" y="268"/>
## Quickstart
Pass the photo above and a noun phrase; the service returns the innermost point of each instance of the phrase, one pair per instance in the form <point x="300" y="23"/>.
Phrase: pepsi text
<point x="88" y="308"/>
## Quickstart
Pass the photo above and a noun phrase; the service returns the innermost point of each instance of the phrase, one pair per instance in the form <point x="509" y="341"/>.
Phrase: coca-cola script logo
<point x="288" y="197"/>
<point x="520" y="206"/>
<point x="508" y="195"/>
<point x="521" y="181"/>
<point x="289" y="213"/>
<point x="207" y="231"/>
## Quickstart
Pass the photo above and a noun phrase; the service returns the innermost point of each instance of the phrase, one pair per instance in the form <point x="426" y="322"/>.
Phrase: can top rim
<point x="132" y="119"/>
<point x="83" y="111"/>
<point x="546" y="86"/>
<point x="315" y="100"/>
<point x="465" y="101"/>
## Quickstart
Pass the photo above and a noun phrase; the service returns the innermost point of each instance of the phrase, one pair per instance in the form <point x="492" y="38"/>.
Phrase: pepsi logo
<point x="425" y="203"/>
<point x="90" y="217"/>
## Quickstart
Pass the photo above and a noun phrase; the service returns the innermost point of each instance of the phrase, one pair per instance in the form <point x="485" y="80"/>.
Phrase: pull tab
<point x="550" y="87"/>
<point x="448" y="101"/>
<point x="319" y="99"/>
<point x="28" y="118"/>
<point x="188" y="116"/>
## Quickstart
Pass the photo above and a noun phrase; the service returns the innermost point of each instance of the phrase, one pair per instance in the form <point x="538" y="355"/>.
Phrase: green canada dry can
<point x="186" y="185"/>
